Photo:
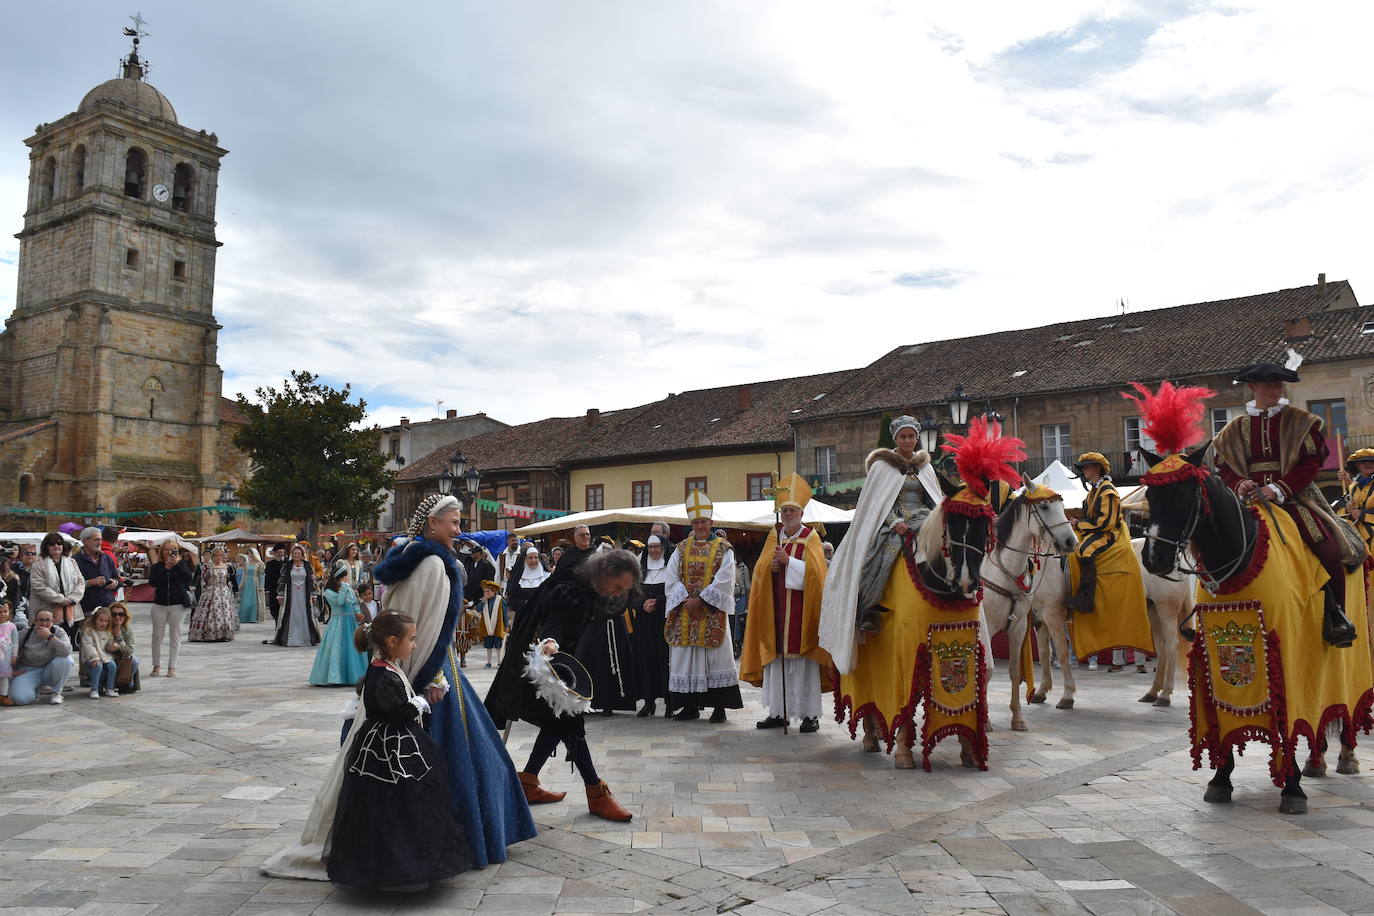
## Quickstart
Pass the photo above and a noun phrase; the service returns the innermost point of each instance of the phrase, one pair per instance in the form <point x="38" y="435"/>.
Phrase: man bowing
<point x="781" y="647"/>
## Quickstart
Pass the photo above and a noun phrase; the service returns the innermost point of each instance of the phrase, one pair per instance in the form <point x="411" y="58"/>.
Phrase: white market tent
<point x="744" y="515"/>
<point x="153" y="538"/>
<point x="1064" y="482"/>
<point x="34" y="537"/>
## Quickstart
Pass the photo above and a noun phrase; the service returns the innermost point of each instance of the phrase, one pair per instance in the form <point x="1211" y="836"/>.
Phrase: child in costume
<point x="7" y="634"/>
<point x="395" y="826"/>
<point x="492" y="626"/>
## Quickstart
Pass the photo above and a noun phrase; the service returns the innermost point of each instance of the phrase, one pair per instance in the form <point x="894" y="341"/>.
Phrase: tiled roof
<point x="229" y="412"/>
<point x="713" y="418"/>
<point x="541" y="444"/>
<point x="706" y="419"/>
<point x="1184" y="341"/>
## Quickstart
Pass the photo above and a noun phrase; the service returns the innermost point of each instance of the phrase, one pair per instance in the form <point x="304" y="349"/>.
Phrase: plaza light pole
<point x="228" y="498"/>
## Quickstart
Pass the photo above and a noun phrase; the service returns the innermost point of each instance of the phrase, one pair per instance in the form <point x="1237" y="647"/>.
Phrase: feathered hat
<point x="1172" y="416"/>
<point x="985" y="455"/>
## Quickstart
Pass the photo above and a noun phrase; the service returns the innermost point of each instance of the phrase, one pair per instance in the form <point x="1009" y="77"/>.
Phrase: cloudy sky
<point x="533" y="208"/>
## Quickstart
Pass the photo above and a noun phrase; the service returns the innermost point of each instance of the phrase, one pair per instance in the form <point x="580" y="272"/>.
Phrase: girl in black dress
<point x="395" y="826"/>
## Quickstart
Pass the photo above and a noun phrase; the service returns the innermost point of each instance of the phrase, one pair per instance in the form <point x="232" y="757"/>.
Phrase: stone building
<point x="408" y="442"/>
<point x="1058" y="386"/>
<point x="109" y="383"/>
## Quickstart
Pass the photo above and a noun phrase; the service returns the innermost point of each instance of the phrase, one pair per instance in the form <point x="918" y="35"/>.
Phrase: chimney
<point x="593" y="416"/>
<point x="405" y="421"/>
<point x="1297" y="329"/>
<point x="451" y="415"/>
<point x="1321" y="284"/>
<point x="746" y="400"/>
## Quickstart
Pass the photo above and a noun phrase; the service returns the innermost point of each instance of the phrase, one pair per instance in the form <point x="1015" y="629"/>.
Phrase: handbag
<point x="126" y="675"/>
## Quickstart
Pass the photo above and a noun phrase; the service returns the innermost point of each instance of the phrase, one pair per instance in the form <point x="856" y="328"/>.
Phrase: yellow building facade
<point x="653" y="483"/>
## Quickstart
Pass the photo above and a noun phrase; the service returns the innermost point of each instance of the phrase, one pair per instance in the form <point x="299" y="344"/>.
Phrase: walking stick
<point x="779" y="626"/>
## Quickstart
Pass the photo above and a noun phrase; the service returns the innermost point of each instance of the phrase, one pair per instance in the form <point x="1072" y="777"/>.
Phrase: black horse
<point x="1201" y="511"/>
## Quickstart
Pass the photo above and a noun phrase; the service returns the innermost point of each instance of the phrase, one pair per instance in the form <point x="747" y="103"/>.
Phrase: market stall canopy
<point x="1062" y="480"/>
<point x="742" y="515"/>
<point x="240" y="536"/>
<point x="153" y="538"/>
<point x="34" y="537"/>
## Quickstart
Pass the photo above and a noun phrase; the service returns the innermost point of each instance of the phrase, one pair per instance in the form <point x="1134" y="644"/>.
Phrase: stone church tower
<point x="109" y="385"/>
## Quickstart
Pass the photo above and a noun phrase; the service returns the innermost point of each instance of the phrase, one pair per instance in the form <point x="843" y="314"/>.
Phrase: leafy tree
<point x="884" y="437"/>
<point x="312" y="461"/>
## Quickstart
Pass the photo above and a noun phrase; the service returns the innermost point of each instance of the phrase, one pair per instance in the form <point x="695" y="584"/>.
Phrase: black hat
<point x="1267" y="372"/>
<point x="560" y="680"/>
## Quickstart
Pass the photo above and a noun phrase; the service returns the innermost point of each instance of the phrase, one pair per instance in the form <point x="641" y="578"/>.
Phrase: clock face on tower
<point x="161" y="193"/>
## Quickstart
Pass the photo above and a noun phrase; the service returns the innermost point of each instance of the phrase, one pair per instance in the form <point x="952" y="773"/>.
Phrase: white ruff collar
<point x="1269" y="412"/>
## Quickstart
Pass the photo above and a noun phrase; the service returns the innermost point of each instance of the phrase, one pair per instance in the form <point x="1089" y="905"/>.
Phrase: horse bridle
<point x="1209" y="581"/>
<point x="1030" y="555"/>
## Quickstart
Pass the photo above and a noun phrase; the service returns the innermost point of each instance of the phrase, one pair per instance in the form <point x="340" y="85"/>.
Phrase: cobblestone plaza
<point x="167" y="800"/>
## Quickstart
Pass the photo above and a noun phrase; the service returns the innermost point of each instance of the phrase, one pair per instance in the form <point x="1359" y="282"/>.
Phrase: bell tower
<point x="111" y="347"/>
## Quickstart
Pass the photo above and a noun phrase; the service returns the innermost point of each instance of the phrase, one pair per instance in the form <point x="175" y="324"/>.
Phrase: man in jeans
<point x="43" y="659"/>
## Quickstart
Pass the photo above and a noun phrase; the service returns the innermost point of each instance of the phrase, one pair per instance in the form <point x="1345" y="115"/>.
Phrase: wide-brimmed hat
<point x="1364" y="454"/>
<point x="1096" y="458"/>
<point x="1267" y="372"/>
<point x="560" y="680"/>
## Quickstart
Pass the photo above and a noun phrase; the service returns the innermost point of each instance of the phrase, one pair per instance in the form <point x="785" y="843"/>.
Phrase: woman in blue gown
<point x="250" y="585"/>
<point x="426" y="582"/>
<point x="338" y="663"/>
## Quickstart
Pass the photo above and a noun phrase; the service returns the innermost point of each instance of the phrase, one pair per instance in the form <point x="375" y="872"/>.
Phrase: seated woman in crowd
<point x="42" y="661"/>
<point x="96" y="657"/>
<point x="122" y="648"/>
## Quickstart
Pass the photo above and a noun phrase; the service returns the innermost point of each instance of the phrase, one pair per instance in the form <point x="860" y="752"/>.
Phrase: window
<point x="1054" y="442"/>
<point x="131" y="258"/>
<point x="182" y="179"/>
<point x="1218" y="417"/>
<point x="49" y="184"/>
<point x="642" y="493"/>
<point x="78" y="169"/>
<point x="757" y="484"/>
<point x="24" y="488"/>
<point x="693" y="483"/>
<point x="825" y="463"/>
<point x="135" y="168"/>
<point x="1135" y="438"/>
<point x="1333" y="416"/>
<point x="596" y="497"/>
<point x="179" y="270"/>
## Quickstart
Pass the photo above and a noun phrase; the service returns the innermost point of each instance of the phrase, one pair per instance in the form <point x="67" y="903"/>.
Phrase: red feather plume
<point x="1173" y="415"/>
<point x="985" y="455"/>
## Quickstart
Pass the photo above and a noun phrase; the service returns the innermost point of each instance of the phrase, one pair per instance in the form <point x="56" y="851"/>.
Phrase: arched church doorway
<point x="154" y="500"/>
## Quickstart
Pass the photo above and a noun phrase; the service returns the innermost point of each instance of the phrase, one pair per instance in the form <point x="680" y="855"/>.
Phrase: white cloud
<point x="535" y="208"/>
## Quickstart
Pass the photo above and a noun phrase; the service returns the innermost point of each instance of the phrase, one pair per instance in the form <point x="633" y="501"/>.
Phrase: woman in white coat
<point x="55" y="583"/>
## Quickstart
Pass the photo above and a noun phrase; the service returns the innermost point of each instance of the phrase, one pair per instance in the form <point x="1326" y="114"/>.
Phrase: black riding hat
<point x="1267" y="372"/>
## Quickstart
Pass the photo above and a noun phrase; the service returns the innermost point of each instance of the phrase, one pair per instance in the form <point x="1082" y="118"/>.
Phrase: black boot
<point x="1082" y="602"/>
<point x="1336" y="627"/>
<point x="648" y="710"/>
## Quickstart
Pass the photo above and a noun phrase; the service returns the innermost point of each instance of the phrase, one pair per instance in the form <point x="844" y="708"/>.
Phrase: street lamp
<point x="228" y="498"/>
<point x="457" y="464"/>
<point x="930" y="433"/>
<point x="445" y="483"/>
<point x="472" y="479"/>
<point x="958" y="408"/>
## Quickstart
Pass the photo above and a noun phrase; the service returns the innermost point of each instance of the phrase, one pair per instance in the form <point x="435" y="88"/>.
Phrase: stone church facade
<point x="109" y="380"/>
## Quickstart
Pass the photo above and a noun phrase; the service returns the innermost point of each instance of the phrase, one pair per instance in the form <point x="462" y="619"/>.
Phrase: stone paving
<point x="166" y="801"/>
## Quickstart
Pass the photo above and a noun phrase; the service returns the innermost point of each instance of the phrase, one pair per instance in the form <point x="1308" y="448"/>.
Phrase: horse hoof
<point x="1019" y="727"/>
<point x="1148" y="698"/>
<point x="966" y="760"/>
<point x="1065" y="703"/>
<point x="1292" y="804"/>
<point x="1036" y="698"/>
<point x="1162" y="701"/>
<point x="1217" y="795"/>
<point x="1313" y="768"/>
<point x="1347" y="767"/>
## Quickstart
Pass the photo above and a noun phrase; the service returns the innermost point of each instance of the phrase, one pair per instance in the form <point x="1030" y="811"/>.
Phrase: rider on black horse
<point x="1272" y="454"/>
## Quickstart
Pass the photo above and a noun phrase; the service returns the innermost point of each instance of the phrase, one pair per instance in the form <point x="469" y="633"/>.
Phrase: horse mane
<point x="1006" y="520"/>
<point x="1172" y="416"/>
<point x="930" y="539"/>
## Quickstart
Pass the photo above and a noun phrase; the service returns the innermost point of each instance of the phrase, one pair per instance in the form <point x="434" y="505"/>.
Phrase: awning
<point x="742" y="515"/>
<point x="241" y="536"/>
<point x="153" y="538"/>
<point x="34" y="537"/>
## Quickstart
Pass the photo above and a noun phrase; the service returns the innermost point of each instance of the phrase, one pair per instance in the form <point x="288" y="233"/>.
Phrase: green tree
<point x="884" y="436"/>
<point x="312" y="461"/>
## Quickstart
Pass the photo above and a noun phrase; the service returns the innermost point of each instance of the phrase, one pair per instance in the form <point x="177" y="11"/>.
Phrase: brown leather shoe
<point x="602" y="803"/>
<point x="536" y="794"/>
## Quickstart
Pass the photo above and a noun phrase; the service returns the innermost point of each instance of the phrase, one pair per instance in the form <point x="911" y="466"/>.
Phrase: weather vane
<point x="131" y="65"/>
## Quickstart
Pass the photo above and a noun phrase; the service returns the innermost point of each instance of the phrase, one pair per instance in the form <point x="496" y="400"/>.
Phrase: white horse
<point x="1032" y="533"/>
<point x="1168" y="602"/>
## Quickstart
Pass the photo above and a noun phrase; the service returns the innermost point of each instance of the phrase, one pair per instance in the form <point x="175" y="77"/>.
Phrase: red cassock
<point x="787" y="603"/>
